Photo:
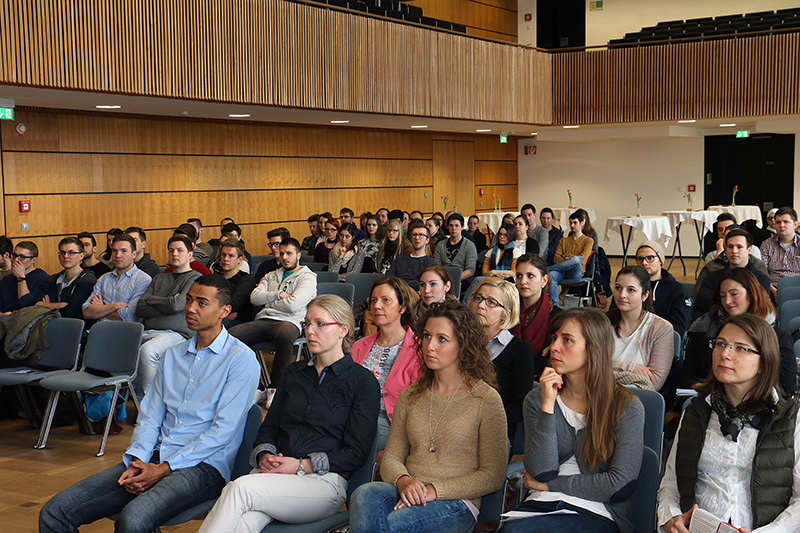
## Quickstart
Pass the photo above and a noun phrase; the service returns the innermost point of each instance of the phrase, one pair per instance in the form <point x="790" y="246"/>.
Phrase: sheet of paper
<point x="516" y="515"/>
<point x="705" y="522"/>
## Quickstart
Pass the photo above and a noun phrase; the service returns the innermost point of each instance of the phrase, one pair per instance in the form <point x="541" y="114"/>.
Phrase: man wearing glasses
<point x="409" y="267"/>
<point x="670" y="299"/>
<point x="67" y="290"/>
<point x="285" y="294"/>
<point x="275" y="238"/>
<point x="26" y="284"/>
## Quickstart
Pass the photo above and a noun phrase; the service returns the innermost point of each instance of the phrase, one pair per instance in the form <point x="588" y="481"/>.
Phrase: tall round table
<point x="492" y="219"/>
<point x="702" y="220"/>
<point x="741" y="212"/>
<point x="652" y="226"/>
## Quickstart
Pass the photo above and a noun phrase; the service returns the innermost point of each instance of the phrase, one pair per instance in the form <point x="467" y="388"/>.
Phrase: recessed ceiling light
<point x="535" y="133"/>
<point x="483" y="131"/>
<point x="686" y="121"/>
<point x="570" y="127"/>
<point x="419" y="126"/>
<point x="726" y="125"/>
<point x="238" y="116"/>
<point x="108" y="106"/>
<point x="340" y="122"/>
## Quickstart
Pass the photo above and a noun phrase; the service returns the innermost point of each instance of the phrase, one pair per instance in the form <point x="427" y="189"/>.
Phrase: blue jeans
<point x="372" y="511"/>
<point x="563" y="523"/>
<point x="99" y="496"/>
<point x="570" y="268"/>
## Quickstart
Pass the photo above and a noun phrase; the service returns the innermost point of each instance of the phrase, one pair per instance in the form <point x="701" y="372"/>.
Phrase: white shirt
<point x="628" y="348"/>
<point x="723" y="481"/>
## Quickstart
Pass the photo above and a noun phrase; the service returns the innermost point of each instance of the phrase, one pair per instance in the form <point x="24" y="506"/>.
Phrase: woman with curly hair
<point x="447" y="446"/>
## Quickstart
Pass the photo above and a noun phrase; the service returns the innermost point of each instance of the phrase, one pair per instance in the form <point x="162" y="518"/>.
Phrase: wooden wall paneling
<point x="464" y="167"/>
<point x="509" y="197"/>
<point x="496" y="172"/>
<point x="498" y="18"/>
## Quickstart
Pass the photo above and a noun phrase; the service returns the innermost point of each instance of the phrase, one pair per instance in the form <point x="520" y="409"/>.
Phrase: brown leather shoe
<point x="100" y="426"/>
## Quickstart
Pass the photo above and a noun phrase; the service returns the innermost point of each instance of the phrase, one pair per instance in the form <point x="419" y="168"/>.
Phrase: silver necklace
<point x="431" y="429"/>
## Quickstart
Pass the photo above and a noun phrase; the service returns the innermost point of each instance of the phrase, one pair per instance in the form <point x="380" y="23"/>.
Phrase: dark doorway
<point x="761" y="165"/>
<point x="560" y="23"/>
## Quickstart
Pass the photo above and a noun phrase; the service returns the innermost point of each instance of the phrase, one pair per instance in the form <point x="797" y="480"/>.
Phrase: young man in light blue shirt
<point x="188" y="432"/>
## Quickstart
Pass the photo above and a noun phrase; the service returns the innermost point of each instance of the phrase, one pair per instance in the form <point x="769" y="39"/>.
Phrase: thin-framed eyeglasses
<point x="22" y="257"/>
<point x="317" y="324"/>
<point x="490" y="302"/>
<point x="738" y="349"/>
<point x="645" y="258"/>
<point x="68" y="252"/>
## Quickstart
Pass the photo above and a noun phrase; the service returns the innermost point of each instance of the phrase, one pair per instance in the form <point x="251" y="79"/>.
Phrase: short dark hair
<point x="136" y="229"/>
<point x="395" y="214"/>
<point x="87" y="235"/>
<point x="188" y="230"/>
<point x="281" y="232"/>
<point x="528" y="206"/>
<point x="436" y="221"/>
<point x="71" y="240"/>
<point x="179" y="237"/>
<point x="291" y="241"/>
<point x="547" y="210"/>
<point x="420" y="213"/>
<point x="346" y="211"/>
<point x="193" y="220"/>
<point x="30" y="246"/>
<point x="726" y="216"/>
<point x="786" y="210"/>
<point x="739" y="232"/>
<point x="382" y="209"/>
<point x="226" y="218"/>
<point x="6" y="246"/>
<point x="455" y="216"/>
<point x="124" y="237"/>
<point x="313" y="218"/>
<point x="233" y="243"/>
<point x="223" y="286"/>
<point x="231" y="227"/>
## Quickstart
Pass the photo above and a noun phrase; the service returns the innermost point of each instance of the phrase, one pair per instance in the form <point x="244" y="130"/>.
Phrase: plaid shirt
<point x="781" y="263"/>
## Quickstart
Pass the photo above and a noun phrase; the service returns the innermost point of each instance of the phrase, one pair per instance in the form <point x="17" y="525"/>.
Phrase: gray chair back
<point x="344" y="290"/>
<point x="257" y="260"/>
<point x="787" y="311"/>
<point x="677" y="347"/>
<point x="327" y="277"/>
<point x="790" y="281"/>
<point x="316" y="267"/>
<point x="113" y="347"/>
<point x="653" y="404"/>
<point x="455" y="275"/>
<point x="646" y="494"/>
<point x="787" y="294"/>
<point x="363" y="283"/>
<point x="64" y="337"/>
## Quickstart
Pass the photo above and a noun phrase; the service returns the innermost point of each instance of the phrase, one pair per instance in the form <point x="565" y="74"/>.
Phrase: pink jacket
<point x="404" y="370"/>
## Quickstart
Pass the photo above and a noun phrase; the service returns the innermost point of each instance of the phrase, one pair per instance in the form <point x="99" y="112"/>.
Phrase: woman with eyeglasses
<point x="345" y="257"/>
<point x="447" y="447"/>
<point x="330" y="231"/>
<point x="670" y="299"/>
<point x="496" y="304"/>
<point x="643" y="341"/>
<point x="370" y="245"/>
<point x="584" y="435"/>
<point x="394" y="244"/>
<point x="389" y="354"/>
<point x="737" y="450"/>
<point x="737" y="292"/>
<point x="501" y="259"/>
<point x="536" y="307"/>
<point x="317" y="432"/>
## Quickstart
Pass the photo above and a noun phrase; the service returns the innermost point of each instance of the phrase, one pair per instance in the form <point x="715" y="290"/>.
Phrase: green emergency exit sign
<point x="742" y="134"/>
<point x="6" y="113"/>
<point x="503" y="139"/>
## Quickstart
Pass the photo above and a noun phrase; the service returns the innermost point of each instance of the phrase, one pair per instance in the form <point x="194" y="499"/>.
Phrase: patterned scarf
<point x="733" y="419"/>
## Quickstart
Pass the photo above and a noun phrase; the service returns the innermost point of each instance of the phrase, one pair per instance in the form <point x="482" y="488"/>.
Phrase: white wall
<point x="619" y="17"/>
<point x="526" y="29"/>
<point x="605" y="175"/>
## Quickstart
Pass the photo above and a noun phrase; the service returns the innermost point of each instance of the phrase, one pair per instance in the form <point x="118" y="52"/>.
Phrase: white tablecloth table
<point x="492" y="220"/>
<point x="653" y="227"/>
<point x="561" y="215"/>
<point x="741" y="212"/>
<point x="703" y="222"/>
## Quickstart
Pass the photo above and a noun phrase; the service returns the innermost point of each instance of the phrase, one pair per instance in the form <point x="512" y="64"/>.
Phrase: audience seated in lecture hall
<point x="90" y="260"/>
<point x="105" y="257"/>
<point x="310" y="242"/>
<point x="457" y="251"/>
<point x="345" y="257"/>
<point x="68" y="289"/>
<point x="409" y="267"/>
<point x="347" y="216"/>
<point x="473" y="225"/>
<point x="523" y="243"/>
<point x="26" y="284"/>
<point x="571" y="257"/>
<point x="274" y="238"/>
<point x="222" y="223"/>
<point x="781" y="253"/>
<point x="535" y="231"/>
<point x="370" y="245"/>
<point x="6" y="249"/>
<point x="198" y="226"/>
<point x="231" y="256"/>
<point x="554" y="233"/>
<point x="394" y="245"/>
<point x="331" y="233"/>
<point x="143" y="260"/>
<point x="237" y="232"/>
<point x="200" y="257"/>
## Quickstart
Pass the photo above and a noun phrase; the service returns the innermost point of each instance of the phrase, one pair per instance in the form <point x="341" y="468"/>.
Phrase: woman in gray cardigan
<point x="583" y="434"/>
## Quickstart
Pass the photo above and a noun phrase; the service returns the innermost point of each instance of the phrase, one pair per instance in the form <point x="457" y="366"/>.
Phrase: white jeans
<point x="154" y="343"/>
<point x="251" y="502"/>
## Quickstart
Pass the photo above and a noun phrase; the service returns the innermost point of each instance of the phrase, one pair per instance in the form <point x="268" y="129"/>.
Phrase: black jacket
<point x="671" y="302"/>
<point x="703" y="303"/>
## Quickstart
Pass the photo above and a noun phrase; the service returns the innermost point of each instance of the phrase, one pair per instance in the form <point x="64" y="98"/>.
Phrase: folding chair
<point x="241" y="466"/>
<point x="327" y="277"/>
<point x="786" y="312"/>
<point x="257" y="260"/>
<point x="344" y="290"/>
<point x="112" y="348"/>
<point x="646" y="494"/>
<point x="455" y="275"/>
<point x="363" y="284"/>
<point x="64" y="337"/>
<point x="653" y="404"/>
<point x="587" y="279"/>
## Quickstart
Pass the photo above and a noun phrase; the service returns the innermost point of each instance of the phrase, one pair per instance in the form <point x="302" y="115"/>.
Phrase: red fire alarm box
<point x="480" y="191"/>
<point x="692" y="188"/>
<point x="528" y="16"/>
<point x="530" y="150"/>
<point x="24" y="206"/>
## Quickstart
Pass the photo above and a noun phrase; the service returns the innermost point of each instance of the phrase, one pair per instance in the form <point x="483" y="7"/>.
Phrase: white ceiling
<point x="167" y="107"/>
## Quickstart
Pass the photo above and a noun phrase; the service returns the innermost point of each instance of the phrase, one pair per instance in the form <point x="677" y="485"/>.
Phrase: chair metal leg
<point x="48" y="420"/>
<point x="264" y="369"/>
<point x="111" y="412"/>
<point x="80" y="412"/>
<point x="135" y="402"/>
<point x="27" y="406"/>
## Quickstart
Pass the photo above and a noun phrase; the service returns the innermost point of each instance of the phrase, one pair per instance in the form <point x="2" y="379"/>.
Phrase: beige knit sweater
<point x="471" y="446"/>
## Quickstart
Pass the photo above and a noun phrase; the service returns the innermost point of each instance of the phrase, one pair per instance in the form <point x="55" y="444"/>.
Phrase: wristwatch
<point x="301" y="471"/>
<point x="20" y="279"/>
